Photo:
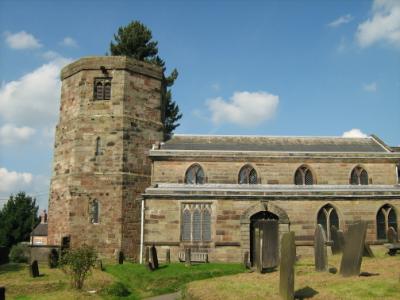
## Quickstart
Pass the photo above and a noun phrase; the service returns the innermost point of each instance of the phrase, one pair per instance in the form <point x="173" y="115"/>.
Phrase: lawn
<point x="134" y="278"/>
<point x="311" y="284"/>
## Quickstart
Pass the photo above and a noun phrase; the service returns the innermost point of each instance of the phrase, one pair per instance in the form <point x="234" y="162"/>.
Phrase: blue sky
<point x="245" y="67"/>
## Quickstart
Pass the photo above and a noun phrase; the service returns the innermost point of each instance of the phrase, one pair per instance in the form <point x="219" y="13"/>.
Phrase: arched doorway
<point x="263" y="223"/>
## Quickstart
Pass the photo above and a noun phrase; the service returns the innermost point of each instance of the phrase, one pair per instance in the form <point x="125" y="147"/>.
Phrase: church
<point x="118" y="187"/>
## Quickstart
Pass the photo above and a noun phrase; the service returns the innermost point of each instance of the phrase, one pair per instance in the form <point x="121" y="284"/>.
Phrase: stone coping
<point x="160" y="154"/>
<point x="112" y="63"/>
<point x="263" y="191"/>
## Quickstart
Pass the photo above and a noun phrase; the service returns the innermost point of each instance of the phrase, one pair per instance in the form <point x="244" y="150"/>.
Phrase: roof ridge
<point x="265" y="136"/>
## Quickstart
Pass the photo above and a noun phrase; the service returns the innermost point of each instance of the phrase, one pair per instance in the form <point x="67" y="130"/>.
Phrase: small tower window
<point x="195" y="175"/>
<point x="102" y="89"/>
<point x="94" y="212"/>
<point x="248" y="175"/>
<point x="359" y="176"/>
<point x="98" y="145"/>
<point x="303" y="176"/>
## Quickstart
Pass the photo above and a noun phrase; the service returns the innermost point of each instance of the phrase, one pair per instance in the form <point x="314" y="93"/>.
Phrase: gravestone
<point x="99" y="265"/>
<point x="188" y="257"/>
<point x="353" y="249"/>
<point x="337" y="246"/>
<point x="53" y="259"/>
<point x="121" y="257"/>
<point x="392" y="235"/>
<point x="341" y="240"/>
<point x="286" y="269"/>
<point x="168" y="256"/>
<point x="2" y="293"/>
<point x="367" y="251"/>
<point x="34" y="269"/>
<point x="320" y="252"/>
<point x="147" y="255"/>
<point x="153" y="256"/>
<point x="246" y="259"/>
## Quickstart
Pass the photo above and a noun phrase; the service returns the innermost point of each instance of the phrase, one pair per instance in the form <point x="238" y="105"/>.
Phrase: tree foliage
<point x="78" y="263"/>
<point x="135" y="40"/>
<point x="18" y="218"/>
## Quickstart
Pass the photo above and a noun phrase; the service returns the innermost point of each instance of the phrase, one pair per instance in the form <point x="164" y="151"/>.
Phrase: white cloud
<point x="33" y="99"/>
<point x="216" y="87"/>
<point x="51" y="55"/>
<point x="384" y="25"/>
<point x="10" y="134"/>
<point x="341" y="20"/>
<point x="354" y="133"/>
<point x="21" y="40"/>
<point x="12" y="182"/>
<point x="244" y="108"/>
<point x="69" y="42"/>
<point x="370" y="87"/>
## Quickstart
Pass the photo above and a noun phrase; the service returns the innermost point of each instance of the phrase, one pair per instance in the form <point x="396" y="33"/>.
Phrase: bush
<point x="117" y="289"/>
<point x="19" y="253"/>
<point x="78" y="263"/>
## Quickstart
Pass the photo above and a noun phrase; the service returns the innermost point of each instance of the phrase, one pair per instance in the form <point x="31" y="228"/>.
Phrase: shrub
<point x="19" y="253"/>
<point x="117" y="289"/>
<point x="78" y="263"/>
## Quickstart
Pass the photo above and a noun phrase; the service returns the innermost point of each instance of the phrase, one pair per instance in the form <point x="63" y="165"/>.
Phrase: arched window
<point x="94" y="212"/>
<point x="196" y="222"/>
<point x="328" y="217"/>
<point x="99" y="90"/>
<point x="359" y="176"/>
<point x="303" y="176"/>
<point x="248" y="175"/>
<point x="195" y="175"/>
<point x="385" y="218"/>
<point x="107" y="90"/>
<point x="98" y="145"/>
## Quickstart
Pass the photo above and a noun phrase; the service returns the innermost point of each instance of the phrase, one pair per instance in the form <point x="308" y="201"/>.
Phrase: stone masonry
<point x="100" y="153"/>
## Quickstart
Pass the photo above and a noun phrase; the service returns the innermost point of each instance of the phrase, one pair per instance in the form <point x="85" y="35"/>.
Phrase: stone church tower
<point x="110" y="116"/>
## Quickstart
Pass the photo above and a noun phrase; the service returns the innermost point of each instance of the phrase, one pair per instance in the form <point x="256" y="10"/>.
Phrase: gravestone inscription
<point x="320" y="251"/>
<point x="353" y="249"/>
<point x="286" y="269"/>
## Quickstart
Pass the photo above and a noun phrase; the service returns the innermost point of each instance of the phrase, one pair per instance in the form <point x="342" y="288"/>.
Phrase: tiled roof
<point x="40" y="230"/>
<point x="269" y="143"/>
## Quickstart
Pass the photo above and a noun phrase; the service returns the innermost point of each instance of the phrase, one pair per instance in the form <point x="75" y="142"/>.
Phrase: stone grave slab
<point x="320" y="251"/>
<point x="353" y="249"/>
<point x="337" y="246"/>
<point x="286" y="269"/>
<point x="2" y="293"/>
<point x="121" y="257"/>
<point x="153" y="256"/>
<point x="34" y="269"/>
<point x="168" y="256"/>
<point x="392" y="236"/>
<point x="188" y="257"/>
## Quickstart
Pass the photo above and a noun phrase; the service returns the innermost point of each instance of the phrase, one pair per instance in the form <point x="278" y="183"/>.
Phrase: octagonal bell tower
<point x="110" y="116"/>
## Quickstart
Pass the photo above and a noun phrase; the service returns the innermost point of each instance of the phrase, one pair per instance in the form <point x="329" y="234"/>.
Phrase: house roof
<point x="273" y="144"/>
<point x="40" y="230"/>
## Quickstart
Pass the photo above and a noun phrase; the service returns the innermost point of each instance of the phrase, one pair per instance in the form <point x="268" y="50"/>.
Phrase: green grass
<point x="168" y="278"/>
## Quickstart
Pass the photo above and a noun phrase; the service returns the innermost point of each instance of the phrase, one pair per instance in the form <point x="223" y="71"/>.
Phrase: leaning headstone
<point x="353" y="249"/>
<point x="2" y="293"/>
<point x="392" y="235"/>
<point x="34" y="269"/>
<point x="367" y="251"/>
<point x="320" y="252"/>
<point x="286" y="269"/>
<point x="53" y="259"/>
<point x="168" y="256"/>
<point x="337" y="246"/>
<point x="153" y="256"/>
<point x="246" y="259"/>
<point x="121" y="257"/>
<point x="188" y="257"/>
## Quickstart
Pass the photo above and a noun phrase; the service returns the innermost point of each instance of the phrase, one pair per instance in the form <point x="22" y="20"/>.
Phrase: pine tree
<point x="18" y="218"/>
<point x="135" y="40"/>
